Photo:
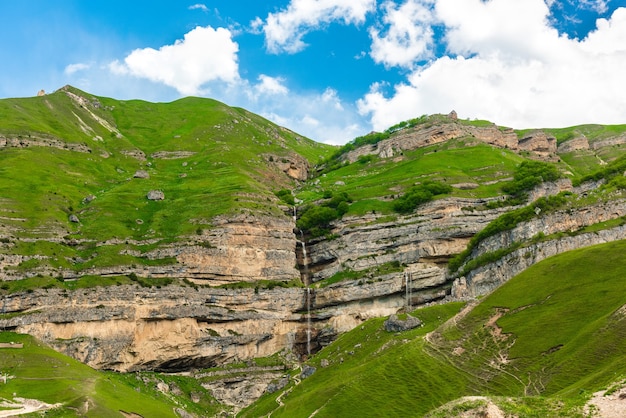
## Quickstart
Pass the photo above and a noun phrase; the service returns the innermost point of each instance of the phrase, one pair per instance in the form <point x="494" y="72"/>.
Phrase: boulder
<point x="307" y="371"/>
<point x="394" y="324"/>
<point x="141" y="174"/>
<point x="155" y="195"/>
<point x="73" y="218"/>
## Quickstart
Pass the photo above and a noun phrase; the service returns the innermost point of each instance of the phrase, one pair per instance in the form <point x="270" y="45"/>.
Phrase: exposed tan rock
<point x="538" y="141"/>
<point x="34" y="141"/>
<point x="576" y="144"/>
<point x="294" y="165"/>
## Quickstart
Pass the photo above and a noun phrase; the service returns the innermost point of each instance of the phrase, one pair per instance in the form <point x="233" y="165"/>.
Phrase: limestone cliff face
<point x="174" y="328"/>
<point x="234" y="249"/>
<point x="561" y="221"/>
<point x="423" y="135"/>
<point x="245" y="248"/>
<point x="486" y="278"/>
<point x="440" y="229"/>
<point x="177" y="328"/>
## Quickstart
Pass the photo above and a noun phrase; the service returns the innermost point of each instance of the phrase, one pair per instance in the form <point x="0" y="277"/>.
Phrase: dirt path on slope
<point x="21" y="406"/>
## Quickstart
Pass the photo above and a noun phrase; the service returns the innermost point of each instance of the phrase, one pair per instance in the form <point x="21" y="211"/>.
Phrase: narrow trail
<point x="22" y="406"/>
<point x="279" y="399"/>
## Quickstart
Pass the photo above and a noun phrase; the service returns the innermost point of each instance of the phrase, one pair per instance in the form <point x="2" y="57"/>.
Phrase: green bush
<point x="615" y="168"/>
<point x="528" y="175"/>
<point x="418" y="195"/>
<point x="317" y="216"/>
<point x="509" y="221"/>
<point x="316" y="219"/>
<point x="286" y="196"/>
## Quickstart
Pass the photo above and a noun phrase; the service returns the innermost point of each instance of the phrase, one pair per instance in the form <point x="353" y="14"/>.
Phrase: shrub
<point x="286" y="196"/>
<point x="418" y="195"/>
<point x="528" y="175"/>
<point x="507" y="222"/>
<point x="316" y="219"/>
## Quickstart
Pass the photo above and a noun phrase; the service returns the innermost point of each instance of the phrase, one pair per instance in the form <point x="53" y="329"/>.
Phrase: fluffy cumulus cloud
<point x="270" y="85"/>
<point x="204" y="55"/>
<point x="285" y="29"/>
<point x="408" y="36"/>
<point x="505" y="63"/>
<point x="320" y="116"/>
<point x="74" y="68"/>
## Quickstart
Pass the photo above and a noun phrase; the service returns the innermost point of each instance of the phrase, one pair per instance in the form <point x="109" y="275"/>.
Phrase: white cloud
<point x="508" y="65"/>
<point x="271" y="85"/>
<point x="73" y="68"/>
<point x="409" y="36"/>
<point x="598" y="6"/>
<point x="320" y="116"/>
<point x="204" y="55"/>
<point x="284" y="30"/>
<point x="199" y="6"/>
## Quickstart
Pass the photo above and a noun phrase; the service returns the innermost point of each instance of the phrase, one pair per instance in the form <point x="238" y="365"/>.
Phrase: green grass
<point x="561" y="332"/>
<point x="451" y="163"/>
<point x="227" y="169"/>
<point x="43" y="374"/>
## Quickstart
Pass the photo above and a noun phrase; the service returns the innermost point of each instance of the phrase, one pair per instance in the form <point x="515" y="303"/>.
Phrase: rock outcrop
<point x="538" y="142"/>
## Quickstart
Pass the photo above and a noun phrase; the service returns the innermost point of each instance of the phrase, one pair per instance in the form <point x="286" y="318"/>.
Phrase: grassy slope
<point x="41" y="373"/>
<point x="561" y="333"/>
<point x="371" y="184"/>
<point x="226" y="171"/>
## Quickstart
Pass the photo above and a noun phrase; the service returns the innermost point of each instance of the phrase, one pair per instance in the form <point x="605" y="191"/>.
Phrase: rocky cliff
<point x="537" y="142"/>
<point x="231" y="300"/>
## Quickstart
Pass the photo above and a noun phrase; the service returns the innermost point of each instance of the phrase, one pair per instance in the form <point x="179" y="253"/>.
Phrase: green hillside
<point x="538" y="346"/>
<point x="72" y="153"/>
<point x="36" y="372"/>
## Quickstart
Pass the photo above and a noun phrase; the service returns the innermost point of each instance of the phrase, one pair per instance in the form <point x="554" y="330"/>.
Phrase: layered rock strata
<point x="424" y="135"/>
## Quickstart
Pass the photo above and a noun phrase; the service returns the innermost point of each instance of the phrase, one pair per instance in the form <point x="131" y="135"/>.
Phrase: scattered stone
<point x="73" y="218"/>
<point x="340" y="183"/>
<point x="41" y="92"/>
<point x="163" y="387"/>
<point x="139" y="221"/>
<point x="141" y="174"/>
<point x="394" y="324"/>
<point x="324" y="362"/>
<point x="466" y="186"/>
<point x="155" y="195"/>
<point x="276" y="386"/>
<point x="183" y="414"/>
<point x="89" y="199"/>
<point x="307" y="371"/>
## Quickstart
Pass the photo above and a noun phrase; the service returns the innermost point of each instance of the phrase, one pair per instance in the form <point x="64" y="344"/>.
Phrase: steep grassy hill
<point x="537" y="346"/>
<point x="36" y="372"/>
<point x="70" y="155"/>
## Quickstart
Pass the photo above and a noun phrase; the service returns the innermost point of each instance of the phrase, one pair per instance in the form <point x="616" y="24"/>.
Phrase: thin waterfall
<point x="408" y="287"/>
<point x="308" y="322"/>
<point x="305" y="264"/>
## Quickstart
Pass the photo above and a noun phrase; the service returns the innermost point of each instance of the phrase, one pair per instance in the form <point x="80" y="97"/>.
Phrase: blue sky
<point x="331" y="69"/>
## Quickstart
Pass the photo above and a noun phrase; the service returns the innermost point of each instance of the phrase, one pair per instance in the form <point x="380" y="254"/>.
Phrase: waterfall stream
<point x="308" y="321"/>
<point x="408" y="286"/>
<point x="305" y="263"/>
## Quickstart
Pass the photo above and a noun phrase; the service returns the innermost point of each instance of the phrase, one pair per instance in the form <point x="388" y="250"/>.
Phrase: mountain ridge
<point x="220" y="269"/>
